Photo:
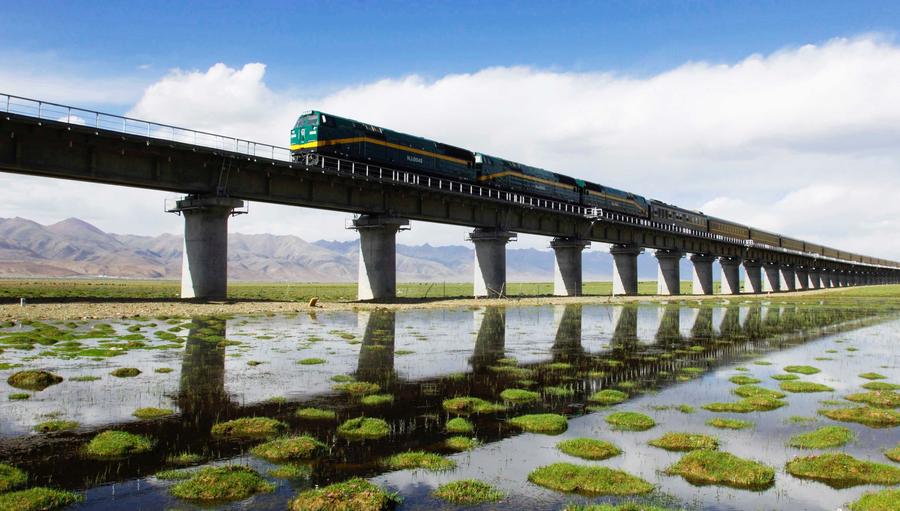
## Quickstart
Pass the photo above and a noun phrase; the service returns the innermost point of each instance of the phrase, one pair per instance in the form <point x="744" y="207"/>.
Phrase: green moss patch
<point x="822" y="438"/>
<point x="11" y="477"/>
<point x="353" y="495"/>
<point x="885" y="500"/>
<point x="685" y="442"/>
<point x="468" y="492"/>
<point x="55" y="425"/>
<point x="842" y="470"/>
<point x="184" y="458"/>
<point x="785" y="377"/>
<point x="743" y="379"/>
<point x="33" y="380"/>
<point x="315" y="414"/>
<point x="804" y="386"/>
<point x="37" y="499"/>
<point x="459" y="425"/>
<point x="630" y="421"/>
<point x="358" y="388"/>
<point x="722" y="468"/>
<point x="588" y="480"/>
<point x="377" y="399"/>
<point x="519" y="395"/>
<point x="311" y="361"/>
<point x="222" y="484"/>
<point x="872" y="417"/>
<point x="174" y="475"/>
<point x="116" y="444"/>
<point x="419" y="459"/>
<point x="249" y="427"/>
<point x="362" y="428"/>
<point x="588" y="448"/>
<point x="628" y="506"/>
<point x="608" y="397"/>
<point x="126" y="372"/>
<point x="873" y="376"/>
<point x="880" y="385"/>
<point x="84" y="378"/>
<point x="802" y="369"/>
<point x="461" y="443"/>
<point x="755" y="391"/>
<point x="549" y="423"/>
<point x="152" y="413"/>
<point x="729" y="423"/>
<point x="746" y="405"/>
<point x="163" y="370"/>
<point x="877" y="398"/>
<point x="556" y="391"/>
<point x="18" y="396"/>
<point x="288" y="448"/>
<point x="893" y="454"/>
<point x="291" y="471"/>
<point x="471" y="405"/>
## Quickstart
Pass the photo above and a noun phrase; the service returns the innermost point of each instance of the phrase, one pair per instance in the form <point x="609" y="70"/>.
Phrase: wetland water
<point x="662" y="356"/>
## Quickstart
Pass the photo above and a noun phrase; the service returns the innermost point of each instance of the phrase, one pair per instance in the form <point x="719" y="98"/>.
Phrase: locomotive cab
<point x="305" y="134"/>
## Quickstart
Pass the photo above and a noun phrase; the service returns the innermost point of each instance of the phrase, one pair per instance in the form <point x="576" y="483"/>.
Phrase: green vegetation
<point x="461" y="443"/>
<point x="802" y="369"/>
<point x="18" y="396"/>
<point x="315" y="414"/>
<point x="352" y="495"/>
<point x="311" y="361"/>
<point x="152" y="413"/>
<point x="872" y="417"/>
<point x="557" y="391"/>
<point x="419" y="459"/>
<point x="11" y="477"/>
<point x="252" y="427"/>
<point x="608" y="397"/>
<point x="519" y="395"/>
<point x="873" y="376"/>
<point x="184" y="458"/>
<point x="377" y="399"/>
<point x="893" y="454"/>
<point x="588" y="448"/>
<point x="822" y="438"/>
<point x="55" y="425"/>
<point x="163" y="370"/>
<point x="126" y="372"/>
<point x="357" y="388"/>
<point x="288" y="448"/>
<point x="342" y="378"/>
<point x="729" y="423"/>
<point x="881" y="385"/>
<point x="685" y="442"/>
<point x="291" y="471"/>
<point x="804" y="386"/>
<point x="468" y="492"/>
<point x="459" y="425"/>
<point x="116" y="444"/>
<point x="590" y="480"/>
<point x="37" y="499"/>
<point x="742" y="379"/>
<point x="746" y="405"/>
<point x="877" y="398"/>
<point x="174" y="475"/>
<point x="549" y="423"/>
<point x="84" y="378"/>
<point x="628" y="506"/>
<point x="884" y="500"/>
<point x="630" y="421"/>
<point x="755" y="391"/>
<point x="722" y="468"/>
<point x="842" y="470"/>
<point x="33" y="380"/>
<point x="471" y="405"/>
<point x="362" y="428"/>
<point x="222" y="484"/>
<point x="785" y="377"/>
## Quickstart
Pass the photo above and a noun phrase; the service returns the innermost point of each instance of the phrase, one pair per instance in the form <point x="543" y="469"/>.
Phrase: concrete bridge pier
<point x="567" y="272"/>
<point x="378" y="256"/>
<point x="669" y="280"/>
<point x="702" y="282"/>
<point x="771" y="278"/>
<point x="801" y="278"/>
<point x="490" y="261"/>
<point x="830" y="279"/>
<point x="204" y="261"/>
<point x="815" y="281"/>
<point x="625" y="269"/>
<point x="753" y="277"/>
<point x="731" y="275"/>
<point x="786" y="278"/>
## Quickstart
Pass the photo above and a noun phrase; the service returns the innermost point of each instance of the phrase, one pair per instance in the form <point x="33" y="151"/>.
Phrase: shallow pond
<point x="662" y="356"/>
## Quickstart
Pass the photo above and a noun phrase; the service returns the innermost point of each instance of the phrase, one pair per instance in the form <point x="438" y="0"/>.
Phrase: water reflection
<point x="490" y="340"/>
<point x="567" y="343"/>
<point x="376" y="353"/>
<point x="201" y="396"/>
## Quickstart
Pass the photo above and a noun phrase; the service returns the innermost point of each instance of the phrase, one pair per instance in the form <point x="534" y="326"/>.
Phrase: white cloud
<point x="805" y="140"/>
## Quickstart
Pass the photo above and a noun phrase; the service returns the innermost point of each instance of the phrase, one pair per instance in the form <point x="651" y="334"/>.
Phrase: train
<point x="327" y="134"/>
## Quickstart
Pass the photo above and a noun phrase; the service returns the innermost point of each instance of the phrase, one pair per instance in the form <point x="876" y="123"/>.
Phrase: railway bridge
<point x="217" y="174"/>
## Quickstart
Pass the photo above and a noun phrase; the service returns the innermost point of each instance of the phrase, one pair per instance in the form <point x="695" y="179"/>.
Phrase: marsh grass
<point x="823" y="438"/>
<point x="33" y="380"/>
<point x="163" y="370"/>
<point x="11" y="477"/>
<point x="311" y="361"/>
<point x="459" y="425"/>
<point x="291" y="471"/>
<point x="755" y="391"/>
<point x="884" y="500"/>
<point x="630" y="421"/>
<point x="802" y="369"/>
<point x="117" y="444"/>
<point x="746" y="405"/>
<point x="876" y="398"/>
<point x="55" y="425"/>
<point x="804" y="387"/>
<point x="184" y="458"/>
<point x="377" y="399"/>
<point x="842" y="470"/>
<point x="352" y="495"/>
<point x="685" y="442"/>
<point x="18" y="396"/>
<point x="174" y="475"/>
<point x="419" y="459"/>
<point x="742" y="379"/>
<point x="588" y="448"/>
<point x="608" y="397"/>
<point x="880" y="385"/>
<point x="126" y="372"/>
<point x="310" y="413"/>
<point x="548" y="423"/>
<point x="557" y="391"/>
<point x="38" y="499"/>
<point x="288" y="448"/>
<point x="785" y="377"/>
<point x="893" y="454"/>
<point x="84" y="378"/>
<point x="468" y="492"/>
<point x="357" y="388"/>
<point x="519" y="395"/>
<point x="872" y="417"/>
<point x="152" y="413"/>
<point x="461" y="443"/>
<point x="628" y="506"/>
<point x="249" y="427"/>
<point x="466" y="405"/>
<point x="588" y="480"/>
<point x="873" y="376"/>
<point x="222" y="484"/>
<point x="362" y="428"/>
<point x="721" y="468"/>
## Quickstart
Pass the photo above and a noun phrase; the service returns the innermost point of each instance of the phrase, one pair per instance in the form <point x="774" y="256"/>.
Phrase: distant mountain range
<point x="75" y="248"/>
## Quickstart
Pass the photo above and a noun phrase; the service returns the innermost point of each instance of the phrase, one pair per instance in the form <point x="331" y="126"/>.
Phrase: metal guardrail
<point x="327" y="164"/>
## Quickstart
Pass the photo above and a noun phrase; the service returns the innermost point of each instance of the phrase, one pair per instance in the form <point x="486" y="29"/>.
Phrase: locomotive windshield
<point x="310" y="119"/>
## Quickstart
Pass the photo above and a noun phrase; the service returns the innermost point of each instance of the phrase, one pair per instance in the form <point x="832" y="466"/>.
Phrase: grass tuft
<point x="222" y="484"/>
<point x="742" y="379"/>
<point x="722" y="468"/>
<point x="589" y="480"/>
<point x="468" y="492"/>
<point x="291" y="471"/>
<point x="152" y="413"/>
<point x="880" y="385"/>
<point x="873" y="376"/>
<point x="288" y="448"/>
<point x="311" y="361"/>
<point x="884" y="500"/>
<point x="630" y="421"/>
<point x="249" y="427"/>
<point x="755" y="391"/>
<point x="37" y="499"/>
<point x="685" y="442"/>
<point x="315" y="414"/>
<point x="872" y="417"/>
<point x="352" y="495"/>
<point x="459" y="425"/>
<point x="116" y="444"/>
<point x="519" y="395"/>
<point x="362" y="428"/>
<point x="608" y="397"/>
<point x="842" y="470"/>
<point x="549" y="423"/>
<point x="419" y="459"/>
<point x="126" y="372"/>
<point x="746" y="405"/>
<point x="11" y="477"/>
<point x="357" y="388"/>
<point x="466" y="405"/>
<point x="377" y="399"/>
<point x="804" y="386"/>
<point x="822" y="438"/>
<point x="785" y="377"/>
<point x="33" y="380"/>
<point x="461" y="443"/>
<point x="588" y="448"/>
<point x="184" y="458"/>
<point x="876" y="398"/>
<point x="729" y="423"/>
<point x="55" y="425"/>
<point x="802" y="369"/>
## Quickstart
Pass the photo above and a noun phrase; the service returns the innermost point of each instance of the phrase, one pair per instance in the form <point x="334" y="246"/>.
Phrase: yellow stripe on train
<point x="354" y="140"/>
